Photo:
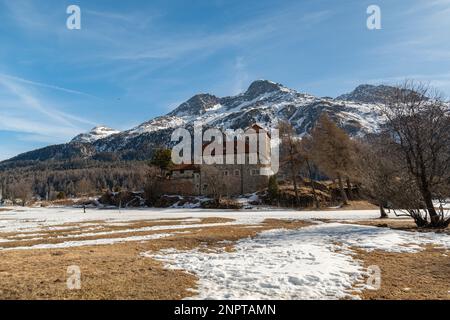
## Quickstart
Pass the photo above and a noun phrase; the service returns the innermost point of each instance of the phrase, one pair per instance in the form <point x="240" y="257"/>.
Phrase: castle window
<point x="225" y="173"/>
<point x="237" y="172"/>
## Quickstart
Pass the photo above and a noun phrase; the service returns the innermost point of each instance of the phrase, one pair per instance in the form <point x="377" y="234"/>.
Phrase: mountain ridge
<point x="264" y="102"/>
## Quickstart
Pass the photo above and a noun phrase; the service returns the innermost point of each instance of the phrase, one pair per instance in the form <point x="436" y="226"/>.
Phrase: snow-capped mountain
<point x="97" y="133"/>
<point x="264" y="102"/>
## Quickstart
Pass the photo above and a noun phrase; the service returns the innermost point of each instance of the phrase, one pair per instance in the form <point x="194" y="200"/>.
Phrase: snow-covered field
<point x="315" y="262"/>
<point x="34" y="219"/>
<point x="309" y="263"/>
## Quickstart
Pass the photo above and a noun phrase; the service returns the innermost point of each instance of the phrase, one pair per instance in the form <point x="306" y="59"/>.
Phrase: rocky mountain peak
<point x="367" y="93"/>
<point x="196" y="105"/>
<point x="260" y="87"/>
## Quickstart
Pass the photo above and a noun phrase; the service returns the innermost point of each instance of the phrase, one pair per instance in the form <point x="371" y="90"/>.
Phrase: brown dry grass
<point x="410" y="276"/>
<point x="53" y="236"/>
<point x="396" y="224"/>
<point x="108" y="272"/>
<point x="407" y="276"/>
<point x="60" y="202"/>
<point x="352" y="205"/>
<point x="116" y="271"/>
<point x="358" y="205"/>
<point x="119" y="271"/>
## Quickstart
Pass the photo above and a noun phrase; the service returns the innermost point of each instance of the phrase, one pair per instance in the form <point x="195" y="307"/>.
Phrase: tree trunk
<point x="294" y="180"/>
<point x="295" y="190"/>
<point x="349" y="188"/>
<point x="383" y="213"/>
<point x="341" y="188"/>
<point x="316" y="200"/>
<point x="428" y="198"/>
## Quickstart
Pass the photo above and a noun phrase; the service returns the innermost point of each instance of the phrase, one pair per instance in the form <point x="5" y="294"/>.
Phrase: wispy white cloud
<point x="25" y="15"/>
<point x="180" y="45"/>
<point x="422" y="31"/>
<point x="142" y="56"/>
<point x="34" y="104"/>
<point x="25" y="112"/>
<point x="53" y="132"/>
<point x="177" y="47"/>
<point x="241" y="77"/>
<point x="419" y="46"/>
<point x="120" y="40"/>
<point x="422" y="6"/>
<point x="110" y="15"/>
<point x="45" y="85"/>
<point x="132" y="19"/>
<point x="314" y="17"/>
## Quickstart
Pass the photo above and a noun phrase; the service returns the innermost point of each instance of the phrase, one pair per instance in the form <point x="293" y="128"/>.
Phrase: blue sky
<point x="133" y="60"/>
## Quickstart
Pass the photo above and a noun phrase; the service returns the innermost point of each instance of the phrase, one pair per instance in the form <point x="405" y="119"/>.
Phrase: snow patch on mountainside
<point x="157" y="124"/>
<point x="97" y="133"/>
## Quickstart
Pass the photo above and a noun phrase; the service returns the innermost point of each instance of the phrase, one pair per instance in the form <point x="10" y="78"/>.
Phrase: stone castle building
<point x="226" y="179"/>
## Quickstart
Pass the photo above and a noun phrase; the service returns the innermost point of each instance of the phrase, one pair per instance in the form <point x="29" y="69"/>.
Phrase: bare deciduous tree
<point x="152" y="190"/>
<point x="306" y="146"/>
<point x="378" y="172"/>
<point x="22" y="190"/>
<point x="418" y="131"/>
<point x="289" y="153"/>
